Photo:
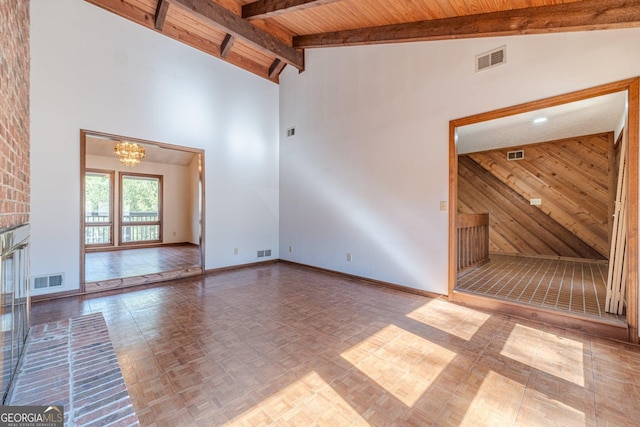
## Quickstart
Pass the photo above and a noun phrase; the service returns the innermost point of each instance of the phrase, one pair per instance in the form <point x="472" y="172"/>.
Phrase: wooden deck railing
<point x="473" y="240"/>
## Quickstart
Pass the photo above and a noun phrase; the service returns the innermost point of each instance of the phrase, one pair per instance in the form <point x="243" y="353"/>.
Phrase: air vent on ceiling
<point x="48" y="281"/>
<point x="491" y="59"/>
<point x="515" y="155"/>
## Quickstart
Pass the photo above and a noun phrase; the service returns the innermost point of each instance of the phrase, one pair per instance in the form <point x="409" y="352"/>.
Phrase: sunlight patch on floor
<point x="496" y="402"/>
<point x="395" y="359"/>
<point x="553" y="354"/>
<point x="455" y="320"/>
<point x="537" y="407"/>
<point x="308" y="401"/>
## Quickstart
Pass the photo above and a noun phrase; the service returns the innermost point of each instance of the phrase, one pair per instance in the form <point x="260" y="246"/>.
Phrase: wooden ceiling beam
<point x="161" y="14"/>
<point x="577" y="16"/>
<point x="139" y="16"/>
<point x="276" y="68"/>
<point x="226" y="45"/>
<point x="263" y="9"/>
<point x="242" y="29"/>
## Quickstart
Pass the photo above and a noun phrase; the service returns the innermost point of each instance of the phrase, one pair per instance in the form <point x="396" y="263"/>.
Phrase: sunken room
<point x="547" y="215"/>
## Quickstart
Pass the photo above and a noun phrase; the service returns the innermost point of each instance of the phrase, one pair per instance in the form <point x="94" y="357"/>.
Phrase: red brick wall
<point x="14" y="112"/>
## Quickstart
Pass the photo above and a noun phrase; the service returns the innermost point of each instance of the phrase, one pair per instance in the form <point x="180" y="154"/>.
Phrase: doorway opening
<point x="139" y="224"/>
<point x="530" y="218"/>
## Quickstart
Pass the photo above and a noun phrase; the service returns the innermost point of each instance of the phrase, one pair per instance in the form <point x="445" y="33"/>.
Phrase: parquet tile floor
<point x="286" y="345"/>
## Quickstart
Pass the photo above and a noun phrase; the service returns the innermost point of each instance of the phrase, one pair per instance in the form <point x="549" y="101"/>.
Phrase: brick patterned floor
<point x="72" y="363"/>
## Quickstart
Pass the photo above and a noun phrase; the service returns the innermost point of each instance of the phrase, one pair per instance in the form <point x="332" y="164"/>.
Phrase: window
<point x="98" y="211"/>
<point x="140" y="208"/>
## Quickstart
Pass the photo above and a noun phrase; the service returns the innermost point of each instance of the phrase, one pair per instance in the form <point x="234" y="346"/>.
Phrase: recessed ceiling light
<point x="540" y="120"/>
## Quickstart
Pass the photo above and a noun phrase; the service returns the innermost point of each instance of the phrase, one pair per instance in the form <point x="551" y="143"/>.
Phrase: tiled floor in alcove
<point x="574" y="286"/>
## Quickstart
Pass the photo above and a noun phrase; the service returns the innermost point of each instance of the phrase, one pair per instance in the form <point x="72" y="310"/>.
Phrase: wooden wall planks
<point x="570" y="176"/>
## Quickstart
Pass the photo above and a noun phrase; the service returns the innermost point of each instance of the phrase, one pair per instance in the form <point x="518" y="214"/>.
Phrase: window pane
<point x="140" y="199"/>
<point x="97" y="197"/>
<point x="97" y="208"/>
<point x="97" y="235"/>
<point x="139" y="233"/>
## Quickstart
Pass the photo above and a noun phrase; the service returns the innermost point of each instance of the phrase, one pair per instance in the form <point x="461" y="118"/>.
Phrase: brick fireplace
<point x="14" y="181"/>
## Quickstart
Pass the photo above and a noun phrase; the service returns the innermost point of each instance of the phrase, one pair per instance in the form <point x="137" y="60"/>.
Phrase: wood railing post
<point x="473" y="240"/>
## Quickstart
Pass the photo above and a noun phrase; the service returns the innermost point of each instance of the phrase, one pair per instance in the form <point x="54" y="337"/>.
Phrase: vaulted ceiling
<point x="264" y="36"/>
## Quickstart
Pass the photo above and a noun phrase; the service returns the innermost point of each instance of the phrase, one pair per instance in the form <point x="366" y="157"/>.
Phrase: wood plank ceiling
<point x="264" y="36"/>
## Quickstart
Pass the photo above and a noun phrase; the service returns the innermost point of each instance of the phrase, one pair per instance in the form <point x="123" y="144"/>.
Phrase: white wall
<point x="179" y="205"/>
<point x="91" y="69"/>
<point x="368" y="165"/>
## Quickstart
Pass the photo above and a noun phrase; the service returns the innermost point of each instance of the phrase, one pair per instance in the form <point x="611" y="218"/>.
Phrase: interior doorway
<point x="628" y="88"/>
<point x="142" y="221"/>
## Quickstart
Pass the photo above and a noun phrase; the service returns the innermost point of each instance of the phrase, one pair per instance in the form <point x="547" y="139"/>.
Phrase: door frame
<point x="632" y="86"/>
<point x="201" y="184"/>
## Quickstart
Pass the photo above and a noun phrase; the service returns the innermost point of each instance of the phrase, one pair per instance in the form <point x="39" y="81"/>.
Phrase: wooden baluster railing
<point x="473" y="240"/>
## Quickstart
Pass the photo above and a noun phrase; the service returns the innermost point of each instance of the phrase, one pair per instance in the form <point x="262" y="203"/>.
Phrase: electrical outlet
<point x="235" y="251"/>
<point x="535" y="202"/>
<point x="290" y="249"/>
<point x="349" y="257"/>
<point x="443" y="206"/>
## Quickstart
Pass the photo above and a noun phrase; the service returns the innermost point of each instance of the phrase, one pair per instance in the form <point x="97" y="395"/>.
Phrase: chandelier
<point x="129" y="153"/>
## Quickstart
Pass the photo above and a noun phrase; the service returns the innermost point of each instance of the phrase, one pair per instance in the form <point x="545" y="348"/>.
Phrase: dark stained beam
<point x="276" y="68"/>
<point x="161" y="14"/>
<point x="141" y="17"/>
<point x="242" y="29"/>
<point x="577" y="16"/>
<point x="262" y="9"/>
<point x="226" y="45"/>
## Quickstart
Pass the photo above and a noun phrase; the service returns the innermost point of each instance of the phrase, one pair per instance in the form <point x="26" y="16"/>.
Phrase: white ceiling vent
<point x="491" y="59"/>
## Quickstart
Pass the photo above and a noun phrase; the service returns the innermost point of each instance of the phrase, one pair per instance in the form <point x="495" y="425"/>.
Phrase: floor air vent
<point x="515" y="155"/>
<point x="50" y="281"/>
<point x="491" y="59"/>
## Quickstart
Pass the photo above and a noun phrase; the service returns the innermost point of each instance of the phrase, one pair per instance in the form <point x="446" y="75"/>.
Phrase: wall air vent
<point x="264" y="253"/>
<point x="49" y="281"/>
<point x="491" y="59"/>
<point x="515" y="155"/>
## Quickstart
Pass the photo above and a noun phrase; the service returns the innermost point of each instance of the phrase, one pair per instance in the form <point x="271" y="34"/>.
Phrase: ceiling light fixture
<point x="129" y="153"/>
<point x="540" y="120"/>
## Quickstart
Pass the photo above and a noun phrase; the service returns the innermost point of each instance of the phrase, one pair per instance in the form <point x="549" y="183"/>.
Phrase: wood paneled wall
<point x="572" y="179"/>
